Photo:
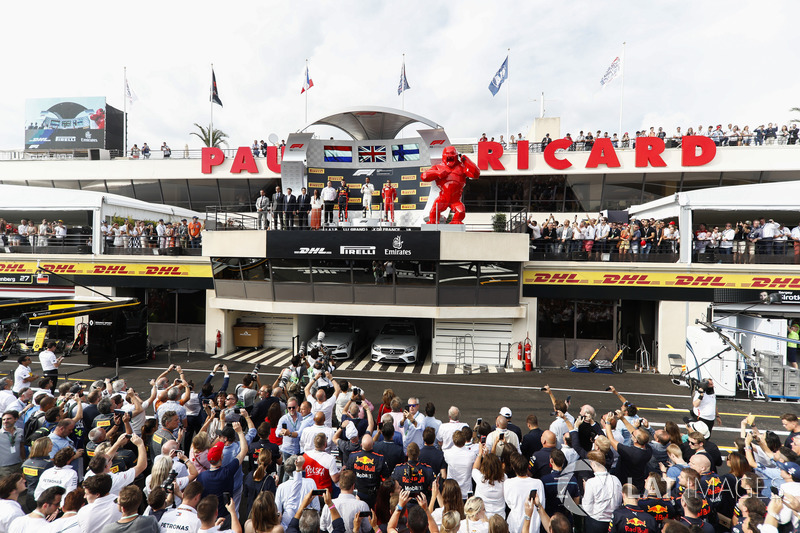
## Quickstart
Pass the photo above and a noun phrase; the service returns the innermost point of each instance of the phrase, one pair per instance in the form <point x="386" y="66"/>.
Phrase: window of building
<point x="203" y="193"/>
<point x="291" y="270"/>
<point x="175" y="192"/>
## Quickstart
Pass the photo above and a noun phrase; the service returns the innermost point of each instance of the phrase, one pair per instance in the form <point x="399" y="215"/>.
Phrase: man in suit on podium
<point x="303" y="208"/>
<point x="291" y="209"/>
<point x="278" y="208"/>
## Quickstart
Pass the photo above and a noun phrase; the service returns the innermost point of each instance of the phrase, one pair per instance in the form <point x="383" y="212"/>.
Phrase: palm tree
<point x="210" y="137"/>
<point x="795" y="110"/>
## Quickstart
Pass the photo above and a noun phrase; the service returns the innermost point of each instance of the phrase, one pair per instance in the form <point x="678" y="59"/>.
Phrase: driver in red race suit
<point x="450" y="176"/>
<point x="389" y="195"/>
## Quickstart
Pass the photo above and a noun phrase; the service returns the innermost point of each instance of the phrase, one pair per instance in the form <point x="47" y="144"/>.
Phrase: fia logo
<point x="397" y="243"/>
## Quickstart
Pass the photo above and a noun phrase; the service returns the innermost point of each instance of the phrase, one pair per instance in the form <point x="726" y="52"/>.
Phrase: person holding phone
<point x="517" y="490"/>
<point x="501" y="437"/>
<point x="220" y="477"/>
<point x="489" y="477"/>
<point x="413" y="424"/>
<point x="348" y="505"/>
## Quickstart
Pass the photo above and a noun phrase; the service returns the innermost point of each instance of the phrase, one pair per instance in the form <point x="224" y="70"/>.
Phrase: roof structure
<point x="372" y="123"/>
<point x="764" y="197"/>
<point x="35" y="199"/>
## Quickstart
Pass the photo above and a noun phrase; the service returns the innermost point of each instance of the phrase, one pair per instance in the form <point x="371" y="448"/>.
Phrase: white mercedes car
<point x="341" y="338"/>
<point x="398" y="342"/>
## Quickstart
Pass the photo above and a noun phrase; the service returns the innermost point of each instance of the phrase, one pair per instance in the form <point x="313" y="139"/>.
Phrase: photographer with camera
<point x="247" y="391"/>
<point x="704" y="403"/>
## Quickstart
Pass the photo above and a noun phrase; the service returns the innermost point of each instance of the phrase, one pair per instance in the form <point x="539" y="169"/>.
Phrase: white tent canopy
<point x="102" y="205"/>
<point x="765" y="197"/>
<point x="780" y="196"/>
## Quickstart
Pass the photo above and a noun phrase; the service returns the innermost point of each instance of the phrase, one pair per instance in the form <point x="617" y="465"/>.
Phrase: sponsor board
<point x="378" y="245"/>
<point x="29" y="268"/>
<point x="662" y="280"/>
<point x="316" y="171"/>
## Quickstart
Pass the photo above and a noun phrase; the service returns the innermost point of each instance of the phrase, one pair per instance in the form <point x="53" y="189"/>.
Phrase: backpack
<point x="32" y="425"/>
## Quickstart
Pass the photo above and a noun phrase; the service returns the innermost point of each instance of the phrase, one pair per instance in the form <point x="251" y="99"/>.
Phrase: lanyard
<point x="12" y="438"/>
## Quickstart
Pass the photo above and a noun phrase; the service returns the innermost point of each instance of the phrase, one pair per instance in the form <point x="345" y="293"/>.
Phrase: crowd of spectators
<point x="741" y="242"/>
<point x="141" y="234"/>
<point x="770" y="134"/>
<point x="181" y="458"/>
<point x="28" y="233"/>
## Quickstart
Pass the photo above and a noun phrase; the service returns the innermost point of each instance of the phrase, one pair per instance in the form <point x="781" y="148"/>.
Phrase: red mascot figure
<point x="450" y="176"/>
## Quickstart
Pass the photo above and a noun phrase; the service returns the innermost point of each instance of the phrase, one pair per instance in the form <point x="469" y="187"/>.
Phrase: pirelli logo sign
<point x="406" y="207"/>
<point x="312" y="185"/>
<point x="316" y="171"/>
<point x="408" y="192"/>
<point x="335" y="178"/>
<point x="408" y="177"/>
<point x="424" y="183"/>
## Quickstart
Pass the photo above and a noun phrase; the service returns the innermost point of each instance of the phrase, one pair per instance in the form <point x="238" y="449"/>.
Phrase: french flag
<point x="309" y="83"/>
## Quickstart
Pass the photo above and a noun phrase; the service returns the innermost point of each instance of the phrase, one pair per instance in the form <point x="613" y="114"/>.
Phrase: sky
<point x="685" y="63"/>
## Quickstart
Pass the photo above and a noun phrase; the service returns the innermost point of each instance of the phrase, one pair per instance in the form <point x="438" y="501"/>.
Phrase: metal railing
<point x="221" y="218"/>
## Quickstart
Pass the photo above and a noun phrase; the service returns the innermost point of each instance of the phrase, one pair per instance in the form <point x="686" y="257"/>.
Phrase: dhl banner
<point x="660" y="279"/>
<point x="108" y="269"/>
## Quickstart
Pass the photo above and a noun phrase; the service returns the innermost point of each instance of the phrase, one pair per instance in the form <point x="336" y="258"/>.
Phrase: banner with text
<point x="354" y="245"/>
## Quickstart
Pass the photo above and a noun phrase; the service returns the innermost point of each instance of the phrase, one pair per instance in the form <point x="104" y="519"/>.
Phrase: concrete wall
<point x="543" y="126"/>
<point x="673" y="317"/>
<point x="483" y="246"/>
<point x="235" y="243"/>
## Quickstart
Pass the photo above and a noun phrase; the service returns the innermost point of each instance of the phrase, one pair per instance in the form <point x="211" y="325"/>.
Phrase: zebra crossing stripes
<point x="361" y="362"/>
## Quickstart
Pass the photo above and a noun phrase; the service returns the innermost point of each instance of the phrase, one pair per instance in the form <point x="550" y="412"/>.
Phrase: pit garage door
<point x="485" y="342"/>
<point x="278" y="330"/>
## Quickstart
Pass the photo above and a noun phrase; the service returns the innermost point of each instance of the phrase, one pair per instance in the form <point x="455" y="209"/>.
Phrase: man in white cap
<point x="506" y="412"/>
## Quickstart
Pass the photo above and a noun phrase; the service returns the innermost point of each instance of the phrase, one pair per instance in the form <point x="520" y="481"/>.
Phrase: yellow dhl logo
<point x="408" y="192"/>
<point x="408" y="206"/>
<point x="316" y="171"/>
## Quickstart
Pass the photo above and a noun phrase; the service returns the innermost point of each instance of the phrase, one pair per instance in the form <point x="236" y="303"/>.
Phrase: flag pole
<point x="541" y="107"/>
<point x="125" y="110"/>
<point x="304" y="82"/>
<point x="508" y="92"/>
<point x="621" y="89"/>
<point x="211" y="124"/>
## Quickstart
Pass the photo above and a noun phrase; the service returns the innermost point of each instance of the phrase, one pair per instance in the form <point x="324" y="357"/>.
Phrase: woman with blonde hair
<point x="162" y="466"/>
<point x="198" y="454"/>
<point x="450" y="522"/>
<point x="475" y="521"/>
<point x="37" y="462"/>
<point x="258" y="481"/>
<point x="264" y="517"/>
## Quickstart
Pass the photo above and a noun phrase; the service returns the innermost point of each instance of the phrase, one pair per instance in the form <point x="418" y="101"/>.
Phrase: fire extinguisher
<point x="519" y="351"/>
<point x="219" y="339"/>
<point x="528" y="362"/>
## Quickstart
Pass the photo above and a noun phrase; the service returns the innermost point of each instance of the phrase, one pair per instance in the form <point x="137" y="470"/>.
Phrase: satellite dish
<point x="273" y="138"/>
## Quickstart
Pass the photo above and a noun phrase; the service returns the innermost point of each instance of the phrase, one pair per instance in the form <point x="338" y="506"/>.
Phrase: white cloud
<point x="686" y="64"/>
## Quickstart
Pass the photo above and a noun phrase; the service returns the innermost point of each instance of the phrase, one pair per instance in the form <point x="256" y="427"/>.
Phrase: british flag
<point x="372" y="154"/>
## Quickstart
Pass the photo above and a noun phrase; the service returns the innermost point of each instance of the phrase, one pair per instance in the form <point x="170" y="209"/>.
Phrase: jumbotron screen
<point x="65" y="123"/>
